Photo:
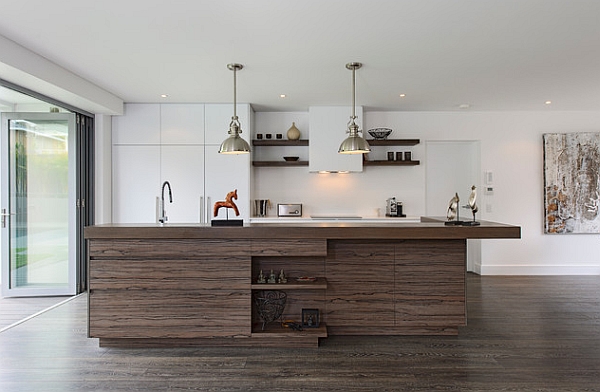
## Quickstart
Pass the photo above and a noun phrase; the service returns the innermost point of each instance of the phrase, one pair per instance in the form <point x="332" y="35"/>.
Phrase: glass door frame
<point x="71" y="286"/>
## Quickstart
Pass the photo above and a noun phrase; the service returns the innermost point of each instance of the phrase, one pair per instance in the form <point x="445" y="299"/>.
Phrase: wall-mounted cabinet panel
<point x="182" y="123"/>
<point x="136" y="183"/>
<point x="183" y="167"/>
<point x="140" y="124"/>
<point x="177" y="149"/>
<point x="328" y="126"/>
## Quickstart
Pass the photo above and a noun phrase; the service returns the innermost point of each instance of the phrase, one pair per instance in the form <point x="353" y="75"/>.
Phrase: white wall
<point x="103" y="169"/>
<point x="511" y="147"/>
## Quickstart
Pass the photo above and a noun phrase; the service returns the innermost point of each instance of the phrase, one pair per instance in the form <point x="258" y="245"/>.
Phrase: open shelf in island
<point x="275" y="329"/>
<point x="292" y="284"/>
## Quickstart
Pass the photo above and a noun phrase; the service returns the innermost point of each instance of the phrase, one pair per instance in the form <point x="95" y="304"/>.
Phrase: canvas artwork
<point x="572" y="194"/>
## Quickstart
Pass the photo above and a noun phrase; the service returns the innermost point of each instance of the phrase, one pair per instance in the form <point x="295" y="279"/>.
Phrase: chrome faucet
<point x="163" y="216"/>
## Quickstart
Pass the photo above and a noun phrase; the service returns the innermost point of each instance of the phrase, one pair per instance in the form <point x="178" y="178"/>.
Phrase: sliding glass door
<point x="38" y="204"/>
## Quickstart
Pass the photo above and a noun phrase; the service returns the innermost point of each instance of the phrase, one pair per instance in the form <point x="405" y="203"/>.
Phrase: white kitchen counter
<point x="300" y="220"/>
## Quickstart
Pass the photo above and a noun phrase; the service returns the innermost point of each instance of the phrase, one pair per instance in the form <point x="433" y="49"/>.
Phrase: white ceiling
<point x="490" y="54"/>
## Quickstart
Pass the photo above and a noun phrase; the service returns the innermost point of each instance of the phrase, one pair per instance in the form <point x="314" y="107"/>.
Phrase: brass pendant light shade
<point x="354" y="143"/>
<point x="234" y="144"/>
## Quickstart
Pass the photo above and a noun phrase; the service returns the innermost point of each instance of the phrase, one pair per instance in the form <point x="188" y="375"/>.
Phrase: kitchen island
<point x="172" y="285"/>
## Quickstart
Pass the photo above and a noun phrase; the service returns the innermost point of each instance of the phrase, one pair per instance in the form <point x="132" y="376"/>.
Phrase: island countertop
<point x="428" y="228"/>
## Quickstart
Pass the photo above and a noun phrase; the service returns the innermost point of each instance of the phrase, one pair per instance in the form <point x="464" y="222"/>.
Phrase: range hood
<point x="327" y="129"/>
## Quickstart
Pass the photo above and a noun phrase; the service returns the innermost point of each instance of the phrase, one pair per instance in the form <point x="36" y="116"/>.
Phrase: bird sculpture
<point x="473" y="201"/>
<point x="453" y="207"/>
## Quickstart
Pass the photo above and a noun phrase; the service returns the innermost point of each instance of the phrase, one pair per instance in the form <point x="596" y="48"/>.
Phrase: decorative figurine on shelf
<point x="453" y="212"/>
<point x="261" y="278"/>
<point x="282" y="278"/>
<point x="473" y="206"/>
<point x="227" y="203"/>
<point x="272" y="278"/>
<point x="310" y="318"/>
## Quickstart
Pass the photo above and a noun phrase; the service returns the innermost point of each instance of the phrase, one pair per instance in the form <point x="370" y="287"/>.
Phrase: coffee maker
<point x="393" y="208"/>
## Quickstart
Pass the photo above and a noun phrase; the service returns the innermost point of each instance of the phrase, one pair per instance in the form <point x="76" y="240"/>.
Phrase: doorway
<point x="38" y="189"/>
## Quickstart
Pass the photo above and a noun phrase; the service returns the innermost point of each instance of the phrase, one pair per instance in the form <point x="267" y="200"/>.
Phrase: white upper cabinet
<point x="183" y="167"/>
<point x="218" y="118"/>
<point x="153" y="143"/>
<point x="182" y="123"/>
<point x="328" y="126"/>
<point x="140" y="124"/>
<point x="136" y="183"/>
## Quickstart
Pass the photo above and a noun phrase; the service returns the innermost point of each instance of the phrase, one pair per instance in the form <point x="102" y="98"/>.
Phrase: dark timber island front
<point x="193" y="285"/>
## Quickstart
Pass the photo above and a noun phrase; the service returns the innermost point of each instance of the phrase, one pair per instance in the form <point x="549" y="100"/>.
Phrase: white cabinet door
<point x="218" y="117"/>
<point x="136" y="183"/>
<point x="140" y="124"/>
<point x="182" y="123"/>
<point x="328" y="126"/>
<point x="183" y="167"/>
<point x="225" y="173"/>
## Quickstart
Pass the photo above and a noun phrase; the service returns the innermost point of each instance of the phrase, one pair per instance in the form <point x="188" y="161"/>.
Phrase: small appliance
<point x="288" y="210"/>
<point x="393" y="208"/>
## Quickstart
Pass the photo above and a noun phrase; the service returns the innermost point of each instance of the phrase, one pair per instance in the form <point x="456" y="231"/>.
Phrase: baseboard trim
<point x="581" y="269"/>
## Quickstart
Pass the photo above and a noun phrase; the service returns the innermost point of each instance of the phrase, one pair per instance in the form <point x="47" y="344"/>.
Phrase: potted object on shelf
<point x="310" y="318"/>
<point x="269" y="305"/>
<point x="293" y="133"/>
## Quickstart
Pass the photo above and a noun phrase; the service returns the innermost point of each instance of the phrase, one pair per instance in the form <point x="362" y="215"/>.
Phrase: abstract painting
<point x="571" y="181"/>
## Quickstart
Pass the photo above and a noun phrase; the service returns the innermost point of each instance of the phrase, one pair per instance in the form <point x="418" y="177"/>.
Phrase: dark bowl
<point x="291" y="158"/>
<point x="380" y="133"/>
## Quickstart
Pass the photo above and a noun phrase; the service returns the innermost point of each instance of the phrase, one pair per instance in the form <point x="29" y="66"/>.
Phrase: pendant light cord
<point x="235" y="93"/>
<point x="353" y="92"/>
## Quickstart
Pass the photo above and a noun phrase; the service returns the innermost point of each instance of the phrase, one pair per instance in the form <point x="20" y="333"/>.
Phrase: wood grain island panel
<point x="193" y="285"/>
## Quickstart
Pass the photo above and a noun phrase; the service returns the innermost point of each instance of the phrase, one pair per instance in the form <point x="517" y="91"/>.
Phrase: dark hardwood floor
<point x="523" y="334"/>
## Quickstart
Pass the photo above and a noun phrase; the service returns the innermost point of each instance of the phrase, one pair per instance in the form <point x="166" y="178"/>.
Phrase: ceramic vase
<point x="293" y="133"/>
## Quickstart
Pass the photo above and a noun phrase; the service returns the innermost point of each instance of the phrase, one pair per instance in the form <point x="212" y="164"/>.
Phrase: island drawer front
<point x="169" y="248"/>
<point x="299" y="247"/>
<point x="151" y="274"/>
<point x="169" y="313"/>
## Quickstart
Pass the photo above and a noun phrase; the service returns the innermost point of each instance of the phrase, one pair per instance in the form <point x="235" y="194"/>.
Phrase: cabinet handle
<point x="201" y="209"/>
<point x="208" y="211"/>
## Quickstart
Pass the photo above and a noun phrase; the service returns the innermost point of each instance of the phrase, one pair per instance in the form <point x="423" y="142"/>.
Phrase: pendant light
<point x="354" y="143"/>
<point x="234" y="144"/>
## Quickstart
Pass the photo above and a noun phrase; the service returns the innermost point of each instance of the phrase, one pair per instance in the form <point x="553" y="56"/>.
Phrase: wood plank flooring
<point x="13" y="310"/>
<point x="523" y="334"/>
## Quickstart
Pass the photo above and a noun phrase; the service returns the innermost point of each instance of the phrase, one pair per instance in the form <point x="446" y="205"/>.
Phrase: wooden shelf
<point x="276" y="330"/>
<point x="394" y="142"/>
<point x="292" y="284"/>
<point x="279" y="142"/>
<point x="279" y="163"/>
<point x="391" y="163"/>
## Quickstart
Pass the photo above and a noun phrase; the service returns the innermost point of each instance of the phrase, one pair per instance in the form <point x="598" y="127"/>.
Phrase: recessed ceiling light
<point x="402" y="95"/>
<point x="548" y="102"/>
<point x="464" y="106"/>
<point x="282" y="95"/>
<point x="164" y="95"/>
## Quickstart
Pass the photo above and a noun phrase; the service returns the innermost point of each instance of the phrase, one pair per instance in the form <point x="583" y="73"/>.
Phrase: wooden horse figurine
<point x="228" y="203"/>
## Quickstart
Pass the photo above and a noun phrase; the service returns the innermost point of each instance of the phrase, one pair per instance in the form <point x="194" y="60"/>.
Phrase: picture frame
<point x="310" y="318"/>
